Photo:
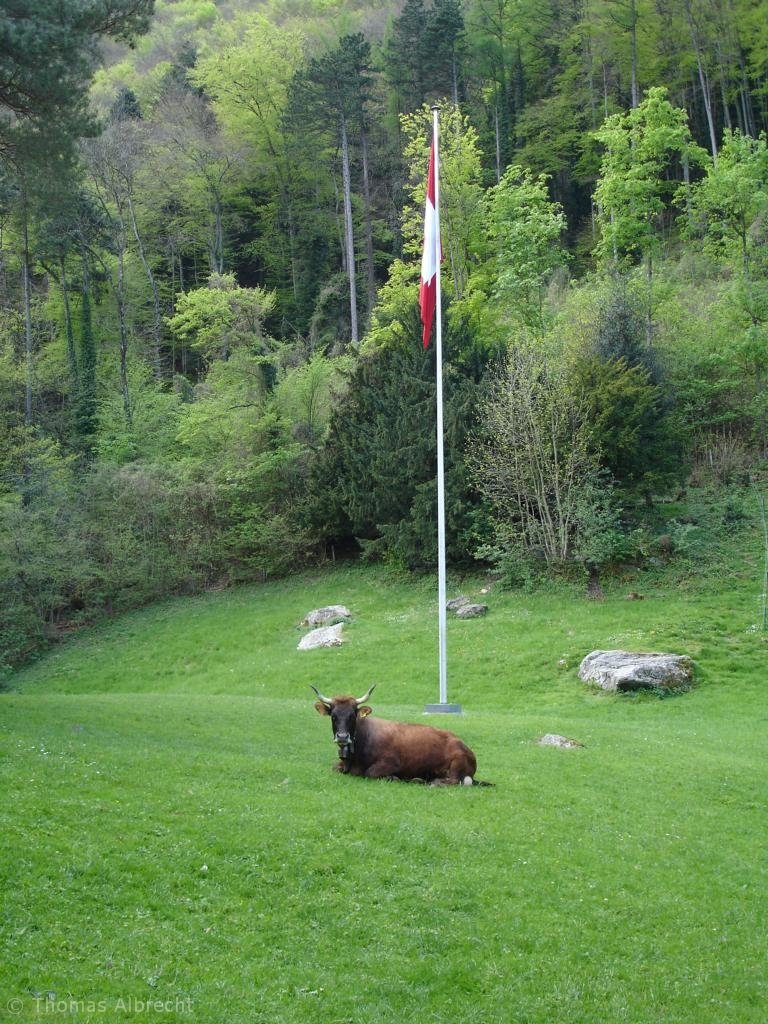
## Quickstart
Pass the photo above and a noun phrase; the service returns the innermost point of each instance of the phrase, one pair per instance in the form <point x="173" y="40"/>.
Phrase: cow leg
<point x="385" y="769"/>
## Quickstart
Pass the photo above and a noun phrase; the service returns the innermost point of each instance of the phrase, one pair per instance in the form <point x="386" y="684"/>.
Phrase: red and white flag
<point x="428" y="288"/>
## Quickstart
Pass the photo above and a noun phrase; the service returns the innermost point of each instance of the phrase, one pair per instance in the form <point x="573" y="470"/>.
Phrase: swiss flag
<point x="428" y="288"/>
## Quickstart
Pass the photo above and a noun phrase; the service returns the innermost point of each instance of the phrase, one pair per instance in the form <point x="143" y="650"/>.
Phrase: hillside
<point x="211" y="371"/>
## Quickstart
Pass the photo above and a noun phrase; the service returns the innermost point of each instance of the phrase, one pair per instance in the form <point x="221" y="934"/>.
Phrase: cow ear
<point x="321" y="709"/>
<point x="364" y="710"/>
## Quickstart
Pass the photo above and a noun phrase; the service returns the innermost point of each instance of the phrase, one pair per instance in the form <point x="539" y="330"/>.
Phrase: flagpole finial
<point x="435" y="106"/>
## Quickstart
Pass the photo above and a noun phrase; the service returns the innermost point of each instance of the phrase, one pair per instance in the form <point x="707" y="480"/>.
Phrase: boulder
<point x="325" y="636"/>
<point x="471" y="611"/>
<point x="552" y="739"/>
<point x="456" y="602"/>
<point x="325" y="616"/>
<point x="624" y="670"/>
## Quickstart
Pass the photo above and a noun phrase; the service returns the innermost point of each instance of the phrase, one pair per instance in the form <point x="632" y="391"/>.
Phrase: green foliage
<point x="525" y="228"/>
<point x="602" y="537"/>
<point x="48" y="52"/>
<point x="226" y="421"/>
<point x="531" y="455"/>
<point x="637" y="182"/>
<point x="223" y="317"/>
<point x="305" y="396"/>
<point x="424" y="52"/>
<point x="376" y="478"/>
<point x="262" y="531"/>
<point x="726" y="203"/>
<point x="629" y="427"/>
<point x="255" y="187"/>
<point x="155" y="411"/>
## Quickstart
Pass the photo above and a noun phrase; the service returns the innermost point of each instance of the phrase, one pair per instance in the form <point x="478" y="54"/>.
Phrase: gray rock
<point x="471" y="611"/>
<point x="624" y="670"/>
<point x="325" y="616"/>
<point x="552" y="739"/>
<point x="456" y="602"/>
<point x="325" y="636"/>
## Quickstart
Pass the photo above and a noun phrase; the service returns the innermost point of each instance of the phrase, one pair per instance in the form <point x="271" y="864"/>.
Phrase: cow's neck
<point x="359" y="749"/>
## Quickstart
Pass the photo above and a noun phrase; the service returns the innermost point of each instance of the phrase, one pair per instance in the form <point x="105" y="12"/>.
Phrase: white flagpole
<point x="443" y="706"/>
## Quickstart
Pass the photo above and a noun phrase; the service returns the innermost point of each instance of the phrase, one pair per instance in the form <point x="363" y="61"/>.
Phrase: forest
<point x="211" y="218"/>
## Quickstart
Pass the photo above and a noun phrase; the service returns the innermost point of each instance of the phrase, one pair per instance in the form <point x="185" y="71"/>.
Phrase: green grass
<point x="172" y="831"/>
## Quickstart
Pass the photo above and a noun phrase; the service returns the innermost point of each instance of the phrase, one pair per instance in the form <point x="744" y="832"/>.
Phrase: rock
<point x="456" y="602"/>
<point x="326" y="636"/>
<point x="624" y="670"/>
<point x="471" y="611"/>
<point x="552" y="739"/>
<point x="325" y="616"/>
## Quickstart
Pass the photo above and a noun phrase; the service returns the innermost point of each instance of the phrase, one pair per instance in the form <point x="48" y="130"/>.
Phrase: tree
<point x="248" y="78"/>
<point x="223" y="317"/>
<point x="531" y="457"/>
<point x="332" y="92"/>
<point x="375" y="480"/>
<point x="525" y="228"/>
<point x="424" y="52"/>
<point x="48" y="52"/>
<point x="632" y="424"/>
<point x="643" y="149"/>
<point x="727" y="201"/>
<point x="494" y="26"/>
<point x="199" y="165"/>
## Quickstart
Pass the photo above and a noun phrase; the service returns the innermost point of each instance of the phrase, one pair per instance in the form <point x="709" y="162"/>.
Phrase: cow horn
<point x="364" y="698"/>
<point x="326" y="700"/>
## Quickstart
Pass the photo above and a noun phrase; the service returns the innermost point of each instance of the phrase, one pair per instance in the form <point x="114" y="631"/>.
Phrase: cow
<point x="379" y="749"/>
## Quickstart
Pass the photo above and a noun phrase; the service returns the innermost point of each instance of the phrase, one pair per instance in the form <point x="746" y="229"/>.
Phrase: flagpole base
<point x="442" y="709"/>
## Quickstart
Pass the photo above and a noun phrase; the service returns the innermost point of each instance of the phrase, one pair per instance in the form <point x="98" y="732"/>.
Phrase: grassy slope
<point x="622" y="882"/>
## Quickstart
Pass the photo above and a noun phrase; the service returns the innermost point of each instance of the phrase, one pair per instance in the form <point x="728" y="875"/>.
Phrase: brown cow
<point x="380" y="749"/>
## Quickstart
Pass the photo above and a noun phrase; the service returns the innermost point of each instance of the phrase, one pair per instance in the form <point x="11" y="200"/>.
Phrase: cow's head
<point x="344" y="713"/>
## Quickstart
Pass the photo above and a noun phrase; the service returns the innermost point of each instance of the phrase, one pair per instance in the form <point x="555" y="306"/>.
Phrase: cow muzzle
<point x="345" y="744"/>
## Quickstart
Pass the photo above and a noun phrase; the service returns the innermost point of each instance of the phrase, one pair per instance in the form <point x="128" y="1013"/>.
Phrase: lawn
<point x="176" y="846"/>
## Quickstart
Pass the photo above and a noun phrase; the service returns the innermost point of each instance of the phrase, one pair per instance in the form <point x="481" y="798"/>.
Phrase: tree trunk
<point x="69" y="331"/>
<point x="292" y="248"/>
<point x="219" y="235"/>
<point x="498" y="141"/>
<point x="371" y="276"/>
<point x="594" y="590"/>
<point x="157" y="323"/>
<point x="703" y="79"/>
<point x="723" y="88"/>
<point x="123" y="329"/>
<point x="28" y="339"/>
<point x="349" y="237"/>
<point x="86" y="405"/>
<point x="182" y="286"/>
<point x="633" y="19"/>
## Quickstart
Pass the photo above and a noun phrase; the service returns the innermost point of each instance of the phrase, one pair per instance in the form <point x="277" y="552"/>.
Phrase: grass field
<point x="176" y="846"/>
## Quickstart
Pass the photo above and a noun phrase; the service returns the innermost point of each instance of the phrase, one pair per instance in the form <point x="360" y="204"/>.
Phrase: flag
<point x="428" y="288"/>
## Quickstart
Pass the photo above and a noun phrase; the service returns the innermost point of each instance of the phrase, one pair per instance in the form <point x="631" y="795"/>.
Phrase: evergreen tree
<point x="332" y="93"/>
<point x="48" y="52"/>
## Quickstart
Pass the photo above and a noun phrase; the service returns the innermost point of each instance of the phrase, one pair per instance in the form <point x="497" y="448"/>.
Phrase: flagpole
<point x="443" y="706"/>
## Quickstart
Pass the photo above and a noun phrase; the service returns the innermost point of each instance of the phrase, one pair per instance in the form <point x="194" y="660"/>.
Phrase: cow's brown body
<point x="380" y="749"/>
